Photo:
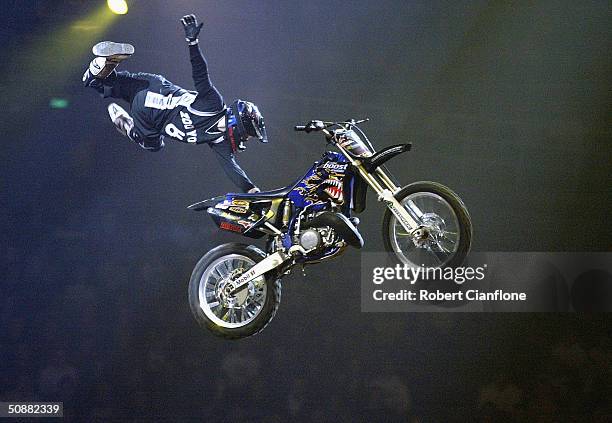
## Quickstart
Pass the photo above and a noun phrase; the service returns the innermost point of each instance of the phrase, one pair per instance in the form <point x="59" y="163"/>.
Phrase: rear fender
<point x="204" y="204"/>
<point x="240" y="215"/>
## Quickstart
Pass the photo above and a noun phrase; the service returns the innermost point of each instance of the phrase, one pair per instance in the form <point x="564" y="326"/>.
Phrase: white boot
<point x="114" y="51"/>
<point x="109" y="54"/>
<point x="122" y="119"/>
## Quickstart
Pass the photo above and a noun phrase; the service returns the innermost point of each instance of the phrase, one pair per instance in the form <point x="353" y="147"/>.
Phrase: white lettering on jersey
<point x="192" y="136"/>
<point x="174" y="132"/>
<point x="187" y="122"/>
<point x="161" y="102"/>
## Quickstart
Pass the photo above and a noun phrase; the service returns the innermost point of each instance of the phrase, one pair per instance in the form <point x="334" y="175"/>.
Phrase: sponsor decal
<point x="230" y="227"/>
<point x="336" y="167"/>
<point x="242" y="203"/>
<point x="159" y="101"/>
<point x="239" y="210"/>
<point x="356" y="147"/>
<point x="245" y="277"/>
<point x="228" y="216"/>
<point x="398" y="214"/>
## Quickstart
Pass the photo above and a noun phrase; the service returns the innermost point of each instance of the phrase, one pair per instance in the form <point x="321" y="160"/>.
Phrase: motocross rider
<point x="162" y="109"/>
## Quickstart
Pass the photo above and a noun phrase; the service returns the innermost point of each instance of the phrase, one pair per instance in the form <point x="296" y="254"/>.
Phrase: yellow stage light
<point x="118" y="7"/>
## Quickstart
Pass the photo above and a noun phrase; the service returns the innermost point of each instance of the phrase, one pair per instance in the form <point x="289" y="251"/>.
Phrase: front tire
<point x="243" y="314"/>
<point x="447" y="224"/>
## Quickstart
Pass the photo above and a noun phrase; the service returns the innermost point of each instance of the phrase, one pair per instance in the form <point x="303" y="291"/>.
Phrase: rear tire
<point x="201" y="309"/>
<point x="455" y="203"/>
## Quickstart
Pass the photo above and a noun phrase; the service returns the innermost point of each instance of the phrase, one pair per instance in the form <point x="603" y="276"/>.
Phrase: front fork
<point x="382" y="184"/>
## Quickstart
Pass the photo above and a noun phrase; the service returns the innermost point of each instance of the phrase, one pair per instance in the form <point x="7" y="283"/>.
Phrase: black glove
<point x="191" y="27"/>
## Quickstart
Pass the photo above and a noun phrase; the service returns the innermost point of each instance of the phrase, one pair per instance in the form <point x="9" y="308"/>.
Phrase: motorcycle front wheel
<point x="232" y="316"/>
<point x="446" y="235"/>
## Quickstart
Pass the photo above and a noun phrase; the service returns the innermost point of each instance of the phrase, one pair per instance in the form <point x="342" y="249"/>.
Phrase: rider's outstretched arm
<point x="208" y="98"/>
<point x="231" y="168"/>
<point x="199" y="69"/>
<point x="199" y="66"/>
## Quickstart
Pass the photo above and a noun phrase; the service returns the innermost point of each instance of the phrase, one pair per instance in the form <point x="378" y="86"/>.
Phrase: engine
<point x="313" y="237"/>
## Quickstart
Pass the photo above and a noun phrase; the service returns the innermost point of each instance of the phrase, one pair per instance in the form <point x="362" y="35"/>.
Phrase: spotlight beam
<point x="47" y="65"/>
<point x="118" y="7"/>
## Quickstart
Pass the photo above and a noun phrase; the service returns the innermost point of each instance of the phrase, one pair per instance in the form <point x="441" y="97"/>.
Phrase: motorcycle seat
<point x="264" y="195"/>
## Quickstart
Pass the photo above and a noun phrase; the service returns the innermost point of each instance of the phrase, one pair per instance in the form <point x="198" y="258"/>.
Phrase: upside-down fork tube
<point x="386" y="189"/>
<point x="387" y="180"/>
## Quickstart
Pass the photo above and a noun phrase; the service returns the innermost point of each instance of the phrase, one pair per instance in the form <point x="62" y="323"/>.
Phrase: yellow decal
<point x="239" y="210"/>
<point x="241" y="203"/>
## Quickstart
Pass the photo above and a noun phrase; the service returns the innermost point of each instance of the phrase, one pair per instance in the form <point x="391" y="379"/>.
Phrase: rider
<point x="161" y="109"/>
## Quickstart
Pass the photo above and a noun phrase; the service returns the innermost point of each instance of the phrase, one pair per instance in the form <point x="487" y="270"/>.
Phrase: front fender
<point x="384" y="155"/>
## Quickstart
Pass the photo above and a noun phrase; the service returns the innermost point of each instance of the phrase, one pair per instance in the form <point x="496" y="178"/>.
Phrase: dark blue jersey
<point x="167" y="110"/>
<point x="162" y="110"/>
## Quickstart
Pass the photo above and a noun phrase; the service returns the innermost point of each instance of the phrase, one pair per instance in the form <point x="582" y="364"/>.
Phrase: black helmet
<point x="244" y="121"/>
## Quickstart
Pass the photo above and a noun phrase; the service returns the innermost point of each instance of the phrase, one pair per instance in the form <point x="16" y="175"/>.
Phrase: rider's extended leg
<point x="102" y="77"/>
<point x="108" y="56"/>
<point x="101" y="74"/>
<point x="125" y="125"/>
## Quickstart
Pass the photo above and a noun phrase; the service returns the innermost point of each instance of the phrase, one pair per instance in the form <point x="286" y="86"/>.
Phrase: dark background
<point x="508" y="103"/>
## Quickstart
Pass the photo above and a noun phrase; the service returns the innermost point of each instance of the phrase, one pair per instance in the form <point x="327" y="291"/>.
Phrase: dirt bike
<point x="235" y="289"/>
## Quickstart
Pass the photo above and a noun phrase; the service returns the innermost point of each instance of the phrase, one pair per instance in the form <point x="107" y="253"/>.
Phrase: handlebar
<point x="349" y="125"/>
<point x="313" y="125"/>
<point x="319" y="125"/>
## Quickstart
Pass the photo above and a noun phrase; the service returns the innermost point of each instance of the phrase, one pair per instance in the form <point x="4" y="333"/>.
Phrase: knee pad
<point x="122" y="119"/>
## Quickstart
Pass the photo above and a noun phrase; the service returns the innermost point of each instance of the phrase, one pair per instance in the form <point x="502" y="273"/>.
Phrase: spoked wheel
<point x="232" y="316"/>
<point x="445" y="235"/>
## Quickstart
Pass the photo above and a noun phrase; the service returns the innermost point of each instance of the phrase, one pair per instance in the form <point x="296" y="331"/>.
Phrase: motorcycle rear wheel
<point x="243" y="314"/>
